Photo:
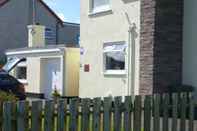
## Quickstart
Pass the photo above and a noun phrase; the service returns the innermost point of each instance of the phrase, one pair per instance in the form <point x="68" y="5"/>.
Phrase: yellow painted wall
<point x="72" y="64"/>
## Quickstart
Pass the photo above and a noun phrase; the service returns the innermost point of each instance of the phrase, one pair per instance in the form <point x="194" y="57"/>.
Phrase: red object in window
<point x="87" y="68"/>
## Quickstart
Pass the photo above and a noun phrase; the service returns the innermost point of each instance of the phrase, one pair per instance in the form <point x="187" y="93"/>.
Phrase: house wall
<point x="13" y="21"/>
<point x="15" y="15"/>
<point x="189" y="43"/>
<point x="160" y="45"/>
<point x="98" y="29"/>
<point x="68" y="34"/>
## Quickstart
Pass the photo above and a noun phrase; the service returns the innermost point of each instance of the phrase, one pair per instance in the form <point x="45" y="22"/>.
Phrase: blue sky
<point x="67" y="10"/>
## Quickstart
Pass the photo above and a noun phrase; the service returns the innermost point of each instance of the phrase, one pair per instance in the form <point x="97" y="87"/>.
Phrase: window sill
<point x="104" y="11"/>
<point x="114" y="73"/>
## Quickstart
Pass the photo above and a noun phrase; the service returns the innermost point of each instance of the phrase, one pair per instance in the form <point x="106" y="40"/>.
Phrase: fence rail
<point x="140" y="113"/>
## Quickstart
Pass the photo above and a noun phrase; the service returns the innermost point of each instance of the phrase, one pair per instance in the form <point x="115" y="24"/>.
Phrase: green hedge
<point x="7" y="97"/>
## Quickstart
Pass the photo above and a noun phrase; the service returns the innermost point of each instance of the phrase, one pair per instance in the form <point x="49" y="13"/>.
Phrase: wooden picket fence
<point x="140" y="113"/>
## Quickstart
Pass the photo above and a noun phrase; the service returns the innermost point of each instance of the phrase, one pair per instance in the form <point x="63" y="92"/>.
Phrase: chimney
<point x="36" y="35"/>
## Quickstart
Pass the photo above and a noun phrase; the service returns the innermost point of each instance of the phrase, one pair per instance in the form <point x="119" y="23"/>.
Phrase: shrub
<point x="180" y="89"/>
<point x="7" y="97"/>
<point x="56" y="94"/>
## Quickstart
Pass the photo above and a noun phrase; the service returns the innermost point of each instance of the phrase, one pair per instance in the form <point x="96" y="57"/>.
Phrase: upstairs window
<point x="99" y="6"/>
<point x="114" y="58"/>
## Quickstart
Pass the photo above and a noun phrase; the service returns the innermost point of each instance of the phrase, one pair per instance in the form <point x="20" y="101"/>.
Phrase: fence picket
<point x="49" y="116"/>
<point x="1" y="115"/>
<point x="183" y="111"/>
<point x="191" y="113"/>
<point x="156" y="113"/>
<point x="22" y="116"/>
<point x="85" y="115"/>
<point x="165" y="112"/>
<point x="127" y="113"/>
<point x="117" y="113"/>
<point x="174" y="111"/>
<point x="36" y="116"/>
<point x="61" y="115"/>
<point x="96" y="114"/>
<point x="137" y="113"/>
<point x="107" y="114"/>
<point x="147" y="113"/>
<point x="7" y="116"/>
<point x="73" y="115"/>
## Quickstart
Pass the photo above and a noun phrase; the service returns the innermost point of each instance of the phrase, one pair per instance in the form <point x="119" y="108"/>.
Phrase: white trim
<point x="114" y="72"/>
<point x="99" y="9"/>
<point x="32" y="51"/>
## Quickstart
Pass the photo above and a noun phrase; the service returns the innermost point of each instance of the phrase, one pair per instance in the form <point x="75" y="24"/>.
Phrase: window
<point x="99" y="6"/>
<point x="21" y="72"/>
<point x="114" y="58"/>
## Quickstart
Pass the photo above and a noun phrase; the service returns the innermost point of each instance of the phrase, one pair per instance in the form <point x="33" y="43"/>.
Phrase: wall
<point x="189" y="43"/>
<point x="98" y="29"/>
<point x="13" y="21"/>
<point x="33" y="65"/>
<point x="68" y="34"/>
<point x="161" y="45"/>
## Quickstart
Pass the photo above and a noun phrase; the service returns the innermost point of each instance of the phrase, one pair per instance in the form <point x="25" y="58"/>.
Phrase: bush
<point x="7" y="97"/>
<point x="56" y="94"/>
<point x="180" y="89"/>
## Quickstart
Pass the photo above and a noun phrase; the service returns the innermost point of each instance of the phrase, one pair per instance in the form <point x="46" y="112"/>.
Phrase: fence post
<point x="127" y="113"/>
<point x="22" y="116"/>
<point x="73" y="115"/>
<point x="156" y="112"/>
<point x="7" y="116"/>
<point x="1" y="115"/>
<point x="96" y="114"/>
<point x="165" y="112"/>
<point x="61" y="115"/>
<point x="137" y="113"/>
<point x="117" y="113"/>
<point x="147" y="113"/>
<point x="49" y="116"/>
<point x="85" y="115"/>
<point x="191" y="112"/>
<point x="107" y="114"/>
<point x="36" y="116"/>
<point x="174" y="111"/>
<point x="183" y="111"/>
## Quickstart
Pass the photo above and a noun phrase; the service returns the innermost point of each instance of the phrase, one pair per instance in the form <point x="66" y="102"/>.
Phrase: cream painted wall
<point x="190" y="43"/>
<point x="98" y="29"/>
<point x="33" y="75"/>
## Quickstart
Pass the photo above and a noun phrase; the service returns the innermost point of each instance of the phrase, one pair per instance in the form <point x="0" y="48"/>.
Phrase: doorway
<point x="51" y="76"/>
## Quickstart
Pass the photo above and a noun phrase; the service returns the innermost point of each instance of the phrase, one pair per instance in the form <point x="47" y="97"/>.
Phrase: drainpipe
<point x="130" y="55"/>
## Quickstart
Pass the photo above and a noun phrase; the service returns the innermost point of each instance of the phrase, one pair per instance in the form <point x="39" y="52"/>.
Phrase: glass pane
<point x="115" y="61"/>
<point x="98" y="3"/>
<point x="21" y="72"/>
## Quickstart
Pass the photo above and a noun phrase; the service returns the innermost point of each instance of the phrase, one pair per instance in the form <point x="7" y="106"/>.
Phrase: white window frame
<point x="99" y="9"/>
<point x="22" y="64"/>
<point x="113" y="72"/>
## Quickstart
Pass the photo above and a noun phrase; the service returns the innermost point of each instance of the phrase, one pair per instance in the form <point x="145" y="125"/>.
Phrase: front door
<point x="51" y="77"/>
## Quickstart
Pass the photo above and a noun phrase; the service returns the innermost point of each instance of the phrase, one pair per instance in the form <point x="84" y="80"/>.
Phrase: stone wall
<point x="161" y="45"/>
